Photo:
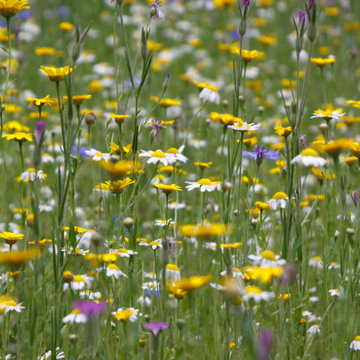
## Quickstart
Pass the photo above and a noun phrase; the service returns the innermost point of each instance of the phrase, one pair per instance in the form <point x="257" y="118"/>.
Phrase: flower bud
<point x="67" y="276"/>
<point x="90" y="119"/>
<point x="128" y="222"/>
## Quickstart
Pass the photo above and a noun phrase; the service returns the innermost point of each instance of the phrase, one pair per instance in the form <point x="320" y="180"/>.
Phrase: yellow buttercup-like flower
<point x="19" y="257"/>
<point x="120" y="185"/>
<point x="11" y="238"/>
<point x="56" y="74"/>
<point x="47" y="100"/>
<point x="119" y="119"/>
<point x="165" y="102"/>
<point x="9" y="8"/>
<point x="168" y="189"/>
<point x="204" y="230"/>
<point x="19" y="136"/>
<point x="192" y="283"/>
<point x="248" y="55"/>
<point x="321" y="62"/>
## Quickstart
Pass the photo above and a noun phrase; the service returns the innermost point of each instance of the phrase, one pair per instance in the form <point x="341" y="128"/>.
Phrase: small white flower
<point x="328" y="114"/>
<point x="30" y="175"/>
<point x="172" y="272"/>
<point x="208" y="95"/>
<point x="315" y="329"/>
<point x="244" y="126"/>
<point x="113" y="271"/>
<point x="278" y="200"/>
<point x="176" y="206"/>
<point x="47" y="355"/>
<point x="163" y="223"/>
<point x="122" y="252"/>
<point x="11" y="305"/>
<point x="355" y="344"/>
<point x="255" y="293"/>
<point x="91" y="295"/>
<point x="309" y="157"/>
<point x="204" y="184"/>
<point x="158" y="156"/>
<point x="316" y="262"/>
<point x="96" y="155"/>
<point x="126" y="314"/>
<point x="79" y="282"/>
<point x="75" y="317"/>
<point x="334" y="292"/>
<point x="177" y="153"/>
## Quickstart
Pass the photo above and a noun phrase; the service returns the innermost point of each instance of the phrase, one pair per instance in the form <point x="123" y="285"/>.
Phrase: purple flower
<point x="83" y="150"/>
<point x="156" y="327"/>
<point x="155" y="11"/>
<point x="264" y="345"/>
<point x="91" y="309"/>
<point x="355" y="197"/>
<point x="259" y="153"/>
<point x="245" y="3"/>
<point x="303" y="20"/>
<point x="24" y="15"/>
<point x="63" y="11"/>
<point x="311" y="5"/>
<point x="40" y="128"/>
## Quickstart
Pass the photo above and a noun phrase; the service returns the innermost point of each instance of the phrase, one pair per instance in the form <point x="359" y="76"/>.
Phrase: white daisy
<point x="126" y="314"/>
<point x="163" y="223"/>
<point x="209" y="95"/>
<point x="177" y="153"/>
<point x="158" y="156"/>
<point x="96" y="155"/>
<point x="278" y="200"/>
<point x="334" y="292"/>
<point x="255" y="293"/>
<point x="113" y="271"/>
<point x="30" y="175"/>
<point x="79" y="282"/>
<point x="75" y="317"/>
<point x="355" y="344"/>
<point x="315" y="329"/>
<point x="11" y="305"/>
<point x="204" y="184"/>
<point x="244" y="126"/>
<point x="316" y="262"/>
<point x="176" y="206"/>
<point x="309" y="157"/>
<point x="172" y="272"/>
<point x="47" y="355"/>
<point x="91" y="295"/>
<point x="328" y="114"/>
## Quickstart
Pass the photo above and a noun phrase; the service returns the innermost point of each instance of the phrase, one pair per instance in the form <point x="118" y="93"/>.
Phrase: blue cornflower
<point x="83" y="150"/>
<point x="259" y="153"/>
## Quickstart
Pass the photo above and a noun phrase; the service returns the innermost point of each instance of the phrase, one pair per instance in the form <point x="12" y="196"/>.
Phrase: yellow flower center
<point x="113" y="267"/>
<point x="253" y="290"/>
<point x="205" y="181"/>
<point x="172" y="267"/>
<point x="172" y="151"/>
<point x="10" y="303"/>
<point x="280" y="196"/>
<point x="268" y="254"/>
<point x="309" y="152"/>
<point x="158" y="154"/>
<point x="78" y="278"/>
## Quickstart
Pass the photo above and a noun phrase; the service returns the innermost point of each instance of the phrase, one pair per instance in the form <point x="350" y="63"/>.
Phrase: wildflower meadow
<point x="179" y="179"/>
